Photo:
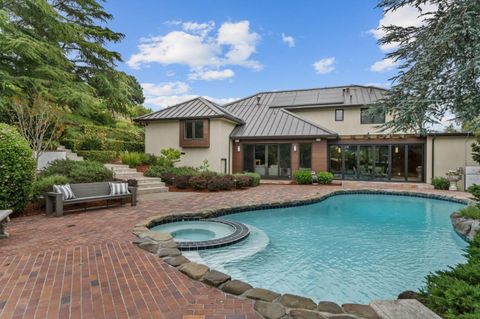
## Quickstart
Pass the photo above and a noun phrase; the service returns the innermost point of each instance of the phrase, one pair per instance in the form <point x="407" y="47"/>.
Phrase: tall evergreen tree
<point x="439" y="70"/>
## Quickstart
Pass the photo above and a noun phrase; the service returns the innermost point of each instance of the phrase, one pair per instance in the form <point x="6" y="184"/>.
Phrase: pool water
<point x="184" y="231"/>
<point x="347" y="248"/>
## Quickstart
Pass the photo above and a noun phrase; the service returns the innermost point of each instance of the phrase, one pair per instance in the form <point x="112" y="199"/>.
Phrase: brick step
<point x="150" y="190"/>
<point x="150" y="184"/>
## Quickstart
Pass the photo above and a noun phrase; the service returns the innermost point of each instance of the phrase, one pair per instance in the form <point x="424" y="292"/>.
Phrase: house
<point x="325" y="129"/>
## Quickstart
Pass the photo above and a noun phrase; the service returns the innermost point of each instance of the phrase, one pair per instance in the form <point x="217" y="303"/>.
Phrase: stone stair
<point x="146" y="185"/>
<point x="69" y="154"/>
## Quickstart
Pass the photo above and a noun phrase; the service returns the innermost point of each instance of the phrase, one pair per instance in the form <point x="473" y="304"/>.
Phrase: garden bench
<point x="4" y="219"/>
<point x="86" y="192"/>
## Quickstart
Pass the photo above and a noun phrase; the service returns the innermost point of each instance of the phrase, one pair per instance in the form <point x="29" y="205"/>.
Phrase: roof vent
<point x="258" y="100"/>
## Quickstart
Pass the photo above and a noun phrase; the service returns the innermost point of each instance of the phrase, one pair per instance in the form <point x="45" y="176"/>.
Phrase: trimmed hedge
<point x="99" y="156"/>
<point x="255" y="178"/>
<point x="198" y="182"/>
<point x="303" y="176"/>
<point x="17" y="169"/>
<point x="79" y="171"/>
<point x="225" y="182"/>
<point x="324" y="177"/>
<point x="243" y="181"/>
<point x="107" y="145"/>
<point x="440" y="183"/>
<point x="45" y="184"/>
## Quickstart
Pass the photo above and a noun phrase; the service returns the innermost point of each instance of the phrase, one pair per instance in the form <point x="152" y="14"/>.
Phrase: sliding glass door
<point x="268" y="160"/>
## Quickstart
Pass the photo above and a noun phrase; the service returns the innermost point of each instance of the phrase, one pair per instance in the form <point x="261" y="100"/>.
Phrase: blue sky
<point x="231" y="49"/>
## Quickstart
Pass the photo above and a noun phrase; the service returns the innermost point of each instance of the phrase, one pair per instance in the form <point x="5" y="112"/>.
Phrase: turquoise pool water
<point x="348" y="248"/>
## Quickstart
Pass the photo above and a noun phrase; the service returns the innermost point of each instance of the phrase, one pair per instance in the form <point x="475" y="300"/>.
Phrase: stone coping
<point x="269" y="304"/>
<point x="467" y="228"/>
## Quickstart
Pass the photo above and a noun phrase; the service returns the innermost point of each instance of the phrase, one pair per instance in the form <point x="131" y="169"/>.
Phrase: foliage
<point x="325" y="177"/>
<point x="79" y="171"/>
<point x="92" y="141"/>
<point x="476" y="148"/>
<point x="438" y="65"/>
<point x="440" y="183"/>
<point x="132" y="159"/>
<point x="99" y="156"/>
<point x="224" y="182"/>
<point x="182" y="181"/>
<point x="198" y="182"/>
<point x="255" y="178"/>
<point x="167" y="177"/>
<point x="472" y="212"/>
<point x="475" y="191"/>
<point x="455" y="293"/>
<point x="45" y="184"/>
<point x="205" y="167"/>
<point x="17" y="169"/>
<point x="303" y="176"/>
<point x="243" y="181"/>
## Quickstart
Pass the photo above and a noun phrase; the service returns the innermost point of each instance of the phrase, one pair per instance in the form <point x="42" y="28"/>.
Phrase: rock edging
<point x="467" y="228"/>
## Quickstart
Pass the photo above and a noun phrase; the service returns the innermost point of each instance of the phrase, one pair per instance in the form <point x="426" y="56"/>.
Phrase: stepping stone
<point x="402" y="308"/>
<point x="261" y="294"/>
<point x="235" y="287"/>
<point x="328" y="306"/>
<point x="269" y="310"/>
<point x="215" y="278"/>
<point x="293" y="301"/>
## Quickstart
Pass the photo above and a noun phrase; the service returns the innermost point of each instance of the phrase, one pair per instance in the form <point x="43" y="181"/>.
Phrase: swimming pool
<point x="347" y="248"/>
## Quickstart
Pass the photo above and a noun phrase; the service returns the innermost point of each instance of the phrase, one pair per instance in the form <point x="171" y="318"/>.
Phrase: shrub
<point x="208" y="175"/>
<point x="99" y="156"/>
<point x="255" y="178"/>
<point x="243" y="181"/>
<point x="217" y="183"/>
<point x="303" y="176"/>
<point x="325" y="177"/>
<point x="79" y="171"/>
<point x="17" y="169"/>
<point x="45" y="184"/>
<point x="198" y="182"/>
<point x="440" y="183"/>
<point x="475" y="191"/>
<point x="167" y="178"/>
<point x="470" y="212"/>
<point x="132" y="159"/>
<point x="182" y="182"/>
<point x="92" y="141"/>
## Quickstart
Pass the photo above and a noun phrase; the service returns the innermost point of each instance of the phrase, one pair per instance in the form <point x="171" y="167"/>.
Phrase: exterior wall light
<point x="238" y="148"/>
<point x="294" y="147"/>
<point x="318" y="139"/>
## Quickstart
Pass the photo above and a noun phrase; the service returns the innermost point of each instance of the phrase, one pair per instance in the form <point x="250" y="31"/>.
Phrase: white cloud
<point x="289" y="40"/>
<point x="404" y="16"/>
<point x="209" y="75"/>
<point x="384" y="65"/>
<point x="158" y="96"/>
<point x="324" y="66"/>
<point x="195" y="47"/>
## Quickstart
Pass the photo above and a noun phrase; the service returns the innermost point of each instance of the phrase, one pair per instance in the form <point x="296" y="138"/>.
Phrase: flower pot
<point x="453" y="179"/>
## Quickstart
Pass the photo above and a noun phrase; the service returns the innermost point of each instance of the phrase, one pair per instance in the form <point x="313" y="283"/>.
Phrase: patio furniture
<point x="86" y="192"/>
<point x="4" y="219"/>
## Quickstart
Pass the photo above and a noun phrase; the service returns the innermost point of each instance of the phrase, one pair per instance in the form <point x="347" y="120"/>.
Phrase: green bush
<point x="243" y="181"/>
<point x="79" y="171"/>
<point x="303" y="176"/>
<point x="325" y="177"/>
<point x="17" y="169"/>
<point x="45" y="184"/>
<point x="182" y="182"/>
<point x="470" y="212"/>
<point x="92" y="142"/>
<point x="255" y="178"/>
<point x="440" y="183"/>
<point x="455" y="293"/>
<point x="225" y="182"/>
<point x="167" y="178"/>
<point x="198" y="182"/>
<point x="475" y="191"/>
<point x="99" y="156"/>
<point x="132" y="159"/>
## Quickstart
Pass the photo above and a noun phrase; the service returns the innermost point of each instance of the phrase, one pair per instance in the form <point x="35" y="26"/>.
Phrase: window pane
<point x="366" y="162"/>
<point x="198" y="129"/>
<point x="336" y="160"/>
<point x="248" y="159"/>
<point x="398" y="162"/>
<point x="273" y="160"/>
<point x="260" y="166"/>
<point x="285" y="160"/>
<point x="339" y="115"/>
<point x="381" y="162"/>
<point x="350" y="161"/>
<point x="415" y="163"/>
<point x="305" y="155"/>
<point x="189" y="129"/>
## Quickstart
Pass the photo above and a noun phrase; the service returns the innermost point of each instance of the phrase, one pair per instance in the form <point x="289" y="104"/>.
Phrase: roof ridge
<point x="220" y="108"/>
<point x="167" y="108"/>
<point x="307" y="121"/>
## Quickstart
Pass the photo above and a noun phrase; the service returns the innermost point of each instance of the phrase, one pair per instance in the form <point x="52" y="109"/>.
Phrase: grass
<point x="472" y="212"/>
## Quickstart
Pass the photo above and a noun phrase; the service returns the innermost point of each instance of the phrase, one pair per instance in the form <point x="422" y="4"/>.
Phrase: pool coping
<point x="265" y="300"/>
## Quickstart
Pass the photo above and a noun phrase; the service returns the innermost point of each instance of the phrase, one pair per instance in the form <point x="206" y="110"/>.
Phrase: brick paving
<point x="83" y="265"/>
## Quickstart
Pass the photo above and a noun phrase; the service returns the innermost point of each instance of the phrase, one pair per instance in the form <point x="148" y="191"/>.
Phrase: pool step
<point x="402" y="309"/>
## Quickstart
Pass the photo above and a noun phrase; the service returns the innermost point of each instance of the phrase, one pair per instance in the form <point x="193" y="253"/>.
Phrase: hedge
<point x="109" y="145"/>
<point x="99" y="156"/>
<point x="79" y="171"/>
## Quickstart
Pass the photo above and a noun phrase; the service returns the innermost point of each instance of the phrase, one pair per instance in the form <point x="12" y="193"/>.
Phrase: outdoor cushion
<point x="118" y="188"/>
<point x="65" y="190"/>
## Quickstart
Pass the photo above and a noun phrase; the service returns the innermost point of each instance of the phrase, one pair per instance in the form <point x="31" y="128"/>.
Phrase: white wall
<point x="165" y="134"/>
<point x="46" y="158"/>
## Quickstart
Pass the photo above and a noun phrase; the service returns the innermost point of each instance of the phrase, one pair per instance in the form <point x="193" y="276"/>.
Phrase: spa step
<point x="401" y="309"/>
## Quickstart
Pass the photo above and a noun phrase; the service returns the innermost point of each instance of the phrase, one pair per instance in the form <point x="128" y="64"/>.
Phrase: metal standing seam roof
<point x="196" y="108"/>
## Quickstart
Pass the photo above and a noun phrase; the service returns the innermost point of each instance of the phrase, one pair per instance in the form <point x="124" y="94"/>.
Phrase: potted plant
<point x="453" y="177"/>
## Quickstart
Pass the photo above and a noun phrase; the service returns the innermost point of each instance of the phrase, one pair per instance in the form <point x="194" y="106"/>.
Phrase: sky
<point x="226" y="50"/>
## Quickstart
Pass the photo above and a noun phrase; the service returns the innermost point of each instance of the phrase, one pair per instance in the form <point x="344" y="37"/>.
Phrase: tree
<point x="439" y="68"/>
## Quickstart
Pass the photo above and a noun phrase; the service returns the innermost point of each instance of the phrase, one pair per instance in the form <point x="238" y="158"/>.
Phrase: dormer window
<point x="194" y="129"/>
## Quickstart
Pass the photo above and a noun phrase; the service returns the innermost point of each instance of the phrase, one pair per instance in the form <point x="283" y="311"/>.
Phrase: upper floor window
<point x="367" y="118"/>
<point x="194" y="129"/>
<point x="339" y="115"/>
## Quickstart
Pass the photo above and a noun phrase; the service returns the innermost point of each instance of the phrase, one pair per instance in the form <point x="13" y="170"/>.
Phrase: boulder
<point x="269" y="310"/>
<point x="149" y="245"/>
<point x="235" y="287"/>
<point x="168" y="244"/>
<point x="171" y="252"/>
<point x="261" y="294"/>
<point x="328" y="306"/>
<point x="306" y="314"/>
<point x="465" y="226"/>
<point x="154" y="235"/>
<point x="364" y="311"/>
<point x="408" y="294"/>
<point x="193" y="270"/>
<point x="138" y="230"/>
<point x="176" y="261"/>
<point x="343" y="316"/>
<point x="293" y="301"/>
<point x="215" y="278"/>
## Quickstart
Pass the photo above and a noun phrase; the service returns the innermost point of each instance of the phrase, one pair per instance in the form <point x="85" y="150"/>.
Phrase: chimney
<point x="258" y="100"/>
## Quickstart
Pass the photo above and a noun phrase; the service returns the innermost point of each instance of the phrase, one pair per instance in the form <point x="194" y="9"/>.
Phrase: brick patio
<point x="83" y="264"/>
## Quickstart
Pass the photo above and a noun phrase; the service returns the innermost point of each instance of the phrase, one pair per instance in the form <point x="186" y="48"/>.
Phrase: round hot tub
<point x="204" y="233"/>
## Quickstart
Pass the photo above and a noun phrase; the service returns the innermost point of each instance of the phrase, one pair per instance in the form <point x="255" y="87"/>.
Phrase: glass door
<point x="285" y="160"/>
<point x="398" y="163"/>
<point x="381" y="157"/>
<point x="350" y="160"/>
<point x="260" y="159"/>
<point x="366" y="166"/>
<point x="272" y="160"/>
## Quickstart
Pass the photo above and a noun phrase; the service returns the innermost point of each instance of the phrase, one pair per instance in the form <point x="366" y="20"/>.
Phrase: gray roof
<point x="196" y="108"/>
<point x="262" y="121"/>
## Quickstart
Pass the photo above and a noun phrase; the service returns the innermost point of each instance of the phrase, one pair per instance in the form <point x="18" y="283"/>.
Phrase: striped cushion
<point x="119" y="188"/>
<point x="65" y="190"/>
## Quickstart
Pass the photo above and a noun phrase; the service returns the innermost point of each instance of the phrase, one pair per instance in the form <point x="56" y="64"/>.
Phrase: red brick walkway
<point x="83" y="265"/>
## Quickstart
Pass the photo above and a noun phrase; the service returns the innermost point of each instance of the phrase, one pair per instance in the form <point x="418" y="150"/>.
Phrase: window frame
<point x="371" y="118"/>
<point x="194" y="135"/>
<point x="343" y="115"/>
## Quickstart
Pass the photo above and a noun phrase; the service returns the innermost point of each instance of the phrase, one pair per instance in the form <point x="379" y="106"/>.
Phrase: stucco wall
<point x="165" y="134"/>
<point x="450" y="152"/>
<point x="349" y="126"/>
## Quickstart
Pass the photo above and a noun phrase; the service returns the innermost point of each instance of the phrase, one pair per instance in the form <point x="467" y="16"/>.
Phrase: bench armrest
<point x="52" y="194"/>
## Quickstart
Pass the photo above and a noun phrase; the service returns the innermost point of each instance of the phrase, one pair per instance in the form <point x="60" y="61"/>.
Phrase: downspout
<point x="230" y="144"/>
<point x="433" y="155"/>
